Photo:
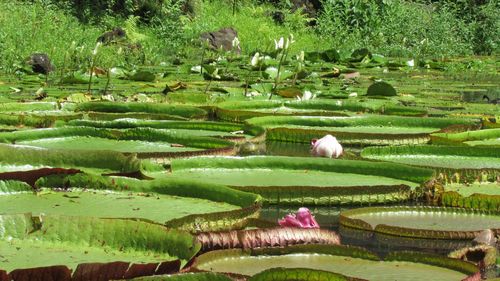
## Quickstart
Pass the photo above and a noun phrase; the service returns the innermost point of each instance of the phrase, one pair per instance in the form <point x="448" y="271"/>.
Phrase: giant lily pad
<point x="179" y="110"/>
<point x="208" y="207"/>
<point x="450" y="157"/>
<point x="300" y="180"/>
<point x="421" y="222"/>
<point x="349" y="261"/>
<point x="478" y="196"/>
<point x="237" y="111"/>
<point x="15" y="156"/>
<point x="488" y="137"/>
<point x="64" y="240"/>
<point x="298" y="274"/>
<point x="365" y="129"/>
<point x="143" y="141"/>
<point x="110" y="204"/>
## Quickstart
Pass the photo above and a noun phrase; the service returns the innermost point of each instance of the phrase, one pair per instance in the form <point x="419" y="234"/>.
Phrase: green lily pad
<point x="142" y="75"/>
<point x="195" y="219"/>
<point x="336" y="259"/>
<point x="297" y="274"/>
<point x="137" y="140"/>
<point x="488" y="137"/>
<point x="421" y="222"/>
<point x="93" y="143"/>
<point x="451" y="157"/>
<point x="487" y="188"/>
<point x="110" y="204"/>
<point x="105" y="161"/>
<point x="63" y="240"/>
<point x="363" y="129"/>
<point x="300" y="180"/>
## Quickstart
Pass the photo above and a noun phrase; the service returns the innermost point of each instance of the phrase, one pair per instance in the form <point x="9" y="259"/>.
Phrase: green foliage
<point x="409" y="28"/>
<point x="256" y="29"/>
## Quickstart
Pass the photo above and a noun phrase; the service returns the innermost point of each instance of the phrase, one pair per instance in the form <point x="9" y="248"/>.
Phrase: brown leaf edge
<point x="92" y="271"/>
<point x="31" y="176"/>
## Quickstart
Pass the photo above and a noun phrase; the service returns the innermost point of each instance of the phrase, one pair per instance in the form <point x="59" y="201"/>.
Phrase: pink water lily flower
<point x="327" y="146"/>
<point x="303" y="219"/>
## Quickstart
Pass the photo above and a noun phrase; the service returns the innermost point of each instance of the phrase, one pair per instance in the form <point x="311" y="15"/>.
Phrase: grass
<point x="396" y="28"/>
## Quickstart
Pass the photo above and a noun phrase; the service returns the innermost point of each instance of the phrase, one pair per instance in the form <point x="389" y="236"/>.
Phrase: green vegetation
<point x="417" y="29"/>
<point x="132" y="131"/>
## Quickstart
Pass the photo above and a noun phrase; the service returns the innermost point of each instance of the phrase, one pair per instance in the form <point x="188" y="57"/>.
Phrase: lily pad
<point x="194" y="219"/>
<point x="110" y="204"/>
<point x="64" y="240"/>
<point x="421" y="222"/>
<point x="144" y="141"/>
<point x="342" y="260"/>
<point x="451" y="157"/>
<point x="488" y="137"/>
<point x="297" y="274"/>
<point x="364" y="129"/>
<point x="299" y="180"/>
<point x="115" y="107"/>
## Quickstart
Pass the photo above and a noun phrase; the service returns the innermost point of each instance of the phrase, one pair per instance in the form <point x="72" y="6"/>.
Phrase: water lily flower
<point x="196" y="69"/>
<point x="255" y="59"/>
<point x="327" y="146"/>
<point x="302" y="219"/>
<point x="215" y="74"/>
<point x="410" y="63"/>
<point x="236" y="42"/>
<point x="279" y="44"/>
<point x="486" y="237"/>
<point x="96" y="49"/>
<point x="307" y="95"/>
<point x="353" y="95"/>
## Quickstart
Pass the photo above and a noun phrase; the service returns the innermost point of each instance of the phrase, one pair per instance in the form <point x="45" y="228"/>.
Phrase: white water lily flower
<point x="339" y="103"/>
<point x="410" y="63"/>
<point x="253" y="94"/>
<point x="353" y="95"/>
<point x="279" y="44"/>
<point x="215" y="74"/>
<point x="236" y="42"/>
<point x="255" y="59"/>
<point x="196" y="69"/>
<point x="307" y="95"/>
<point x="96" y="49"/>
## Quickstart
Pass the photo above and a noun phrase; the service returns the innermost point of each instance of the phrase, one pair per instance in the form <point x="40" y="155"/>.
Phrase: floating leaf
<point x="141" y="75"/>
<point x="360" y="54"/>
<point x="291" y="92"/>
<point x="381" y="89"/>
<point x="79" y="98"/>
